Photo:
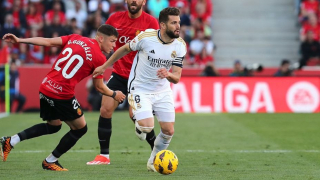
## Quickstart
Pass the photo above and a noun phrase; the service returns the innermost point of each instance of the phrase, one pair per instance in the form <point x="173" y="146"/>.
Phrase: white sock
<point x="51" y="158"/>
<point x="162" y="142"/>
<point x="15" y="139"/>
<point x="105" y="155"/>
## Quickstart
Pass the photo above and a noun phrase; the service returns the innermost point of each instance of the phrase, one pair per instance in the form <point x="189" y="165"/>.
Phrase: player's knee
<point x="168" y="132"/>
<point x="106" y="112"/>
<point x="80" y="132"/>
<point x="53" y="129"/>
<point x="146" y="129"/>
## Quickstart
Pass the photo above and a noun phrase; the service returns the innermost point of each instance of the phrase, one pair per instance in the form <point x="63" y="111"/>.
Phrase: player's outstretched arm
<point x="103" y="89"/>
<point x="40" y="41"/>
<point x="173" y="77"/>
<point x="122" y="51"/>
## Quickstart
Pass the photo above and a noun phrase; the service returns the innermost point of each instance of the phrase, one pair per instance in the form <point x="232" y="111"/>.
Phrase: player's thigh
<point x="78" y="123"/>
<point x="141" y="105"/>
<point x="163" y="107"/>
<point x="55" y="122"/>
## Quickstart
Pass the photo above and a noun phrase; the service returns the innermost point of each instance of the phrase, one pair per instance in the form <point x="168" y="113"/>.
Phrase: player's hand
<point x="162" y="73"/>
<point x="98" y="71"/>
<point x="119" y="96"/>
<point x="10" y="38"/>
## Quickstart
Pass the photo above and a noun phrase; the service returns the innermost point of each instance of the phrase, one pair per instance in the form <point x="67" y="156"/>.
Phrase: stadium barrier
<point x="204" y="94"/>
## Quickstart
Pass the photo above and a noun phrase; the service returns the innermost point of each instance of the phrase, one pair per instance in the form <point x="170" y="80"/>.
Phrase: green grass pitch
<point x="209" y="146"/>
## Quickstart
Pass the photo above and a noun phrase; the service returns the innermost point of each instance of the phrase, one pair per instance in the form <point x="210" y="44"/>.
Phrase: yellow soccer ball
<point x="165" y="162"/>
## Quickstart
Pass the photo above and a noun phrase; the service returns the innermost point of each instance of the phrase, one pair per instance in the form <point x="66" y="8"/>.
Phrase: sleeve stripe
<point x="179" y="65"/>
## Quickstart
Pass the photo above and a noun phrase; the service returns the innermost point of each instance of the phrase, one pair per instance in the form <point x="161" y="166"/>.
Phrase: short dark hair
<point x="165" y="13"/>
<point x="284" y="62"/>
<point x="108" y="30"/>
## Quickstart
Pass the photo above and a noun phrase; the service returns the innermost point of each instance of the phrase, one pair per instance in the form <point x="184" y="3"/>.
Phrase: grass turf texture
<point x="209" y="146"/>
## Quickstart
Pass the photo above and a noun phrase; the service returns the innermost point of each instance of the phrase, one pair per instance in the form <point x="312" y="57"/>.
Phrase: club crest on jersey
<point x="174" y="54"/>
<point x="137" y="32"/>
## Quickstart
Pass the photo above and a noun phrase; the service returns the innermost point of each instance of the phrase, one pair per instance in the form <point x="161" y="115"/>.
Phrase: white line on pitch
<point x="188" y="151"/>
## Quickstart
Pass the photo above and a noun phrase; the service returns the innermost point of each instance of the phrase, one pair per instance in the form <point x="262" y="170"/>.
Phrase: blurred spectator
<point x="308" y="7"/>
<point x="201" y="9"/>
<point x="209" y="70"/>
<point x="14" y="57"/>
<point x="55" y="27"/>
<point x="50" y="3"/>
<point x="284" y="69"/>
<point x="100" y="9"/>
<point x="18" y="17"/>
<point x="78" y="13"/>
<point x="202" y="49"/>
<point x="238" y="70"/>
<point x="94" y="5"/>
<point x="94" y="97"/>
<point x="71" y="4"/>
<point x="34" y="19"/>
<point x="155" y="6"/>
<point x="93" y="23"/>
<point x="52" y="56"/>
<point x="35" y="53"/>
<point x="54" y="12"/>
<point x="313" y="26"/>
<point x="8" y="26"/>
<point x="15" y="95"/>
<point x="309" y="49"/>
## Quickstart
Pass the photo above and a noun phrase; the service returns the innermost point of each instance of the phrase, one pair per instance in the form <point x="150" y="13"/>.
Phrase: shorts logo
<point x="46" y="99"/>
<point x="174" y="54"/>
<point x="138" y="105"/>
<point x="137" y="98"/>
<point x="131" y="101"/>
<point x="137" y="32"/>
<point x="79" y="111"/>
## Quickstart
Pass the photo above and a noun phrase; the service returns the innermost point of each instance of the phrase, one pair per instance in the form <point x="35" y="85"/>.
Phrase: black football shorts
<point x="116" y="82"/>
<point x="65" y="110"/>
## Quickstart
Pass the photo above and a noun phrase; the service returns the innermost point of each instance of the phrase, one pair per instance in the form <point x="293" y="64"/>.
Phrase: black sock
<point x="68" y="141"/>
<point x="38" y="130"/>
<point x="104" y="134"/>
<point x="151" y="137"/>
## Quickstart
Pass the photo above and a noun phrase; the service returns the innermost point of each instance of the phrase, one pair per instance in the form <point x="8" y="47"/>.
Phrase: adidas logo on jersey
<point x="152" y="51"/>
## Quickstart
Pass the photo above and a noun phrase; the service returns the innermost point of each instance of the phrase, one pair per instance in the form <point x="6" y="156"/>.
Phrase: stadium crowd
<point x="53" y="18"/>
<point x="309" y="19"/>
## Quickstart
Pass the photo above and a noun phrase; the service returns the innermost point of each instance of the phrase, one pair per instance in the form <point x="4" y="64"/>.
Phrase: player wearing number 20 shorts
<point x="77" y="60"/>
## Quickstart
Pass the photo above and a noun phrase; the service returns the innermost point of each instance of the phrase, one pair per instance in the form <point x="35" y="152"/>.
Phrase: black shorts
<point x="65" y="110"/>
<point x="117" y="82"/>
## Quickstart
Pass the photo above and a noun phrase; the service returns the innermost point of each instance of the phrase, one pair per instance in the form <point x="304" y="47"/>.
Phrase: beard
<point x="171" y="34"/>
<point x="132" y="10"/>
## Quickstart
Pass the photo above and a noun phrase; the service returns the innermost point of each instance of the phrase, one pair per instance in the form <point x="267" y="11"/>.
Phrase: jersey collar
<point x="159" y="37"/>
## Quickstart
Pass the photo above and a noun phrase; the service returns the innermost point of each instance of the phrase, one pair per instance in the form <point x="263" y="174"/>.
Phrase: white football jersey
<point x="153" y="54"/>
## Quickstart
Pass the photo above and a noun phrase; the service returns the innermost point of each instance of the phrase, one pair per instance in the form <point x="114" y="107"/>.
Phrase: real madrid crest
<point x="173" y="54"/>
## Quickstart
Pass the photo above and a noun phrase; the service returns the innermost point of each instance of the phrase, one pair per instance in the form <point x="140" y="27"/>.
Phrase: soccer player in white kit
<point x="149" y="81"/>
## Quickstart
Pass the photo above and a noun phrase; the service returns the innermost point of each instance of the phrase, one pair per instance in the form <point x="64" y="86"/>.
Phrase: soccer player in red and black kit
<point x="128" y="24"/>
<point x="79" y="57"/>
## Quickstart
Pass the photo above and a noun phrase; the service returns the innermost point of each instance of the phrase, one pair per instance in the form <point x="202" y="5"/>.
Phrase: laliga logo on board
<point x="303" y="97"/>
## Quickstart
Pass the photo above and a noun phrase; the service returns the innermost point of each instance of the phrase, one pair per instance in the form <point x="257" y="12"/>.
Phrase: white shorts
<point x="161" y="104"/>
